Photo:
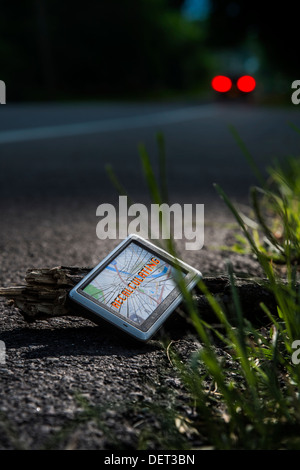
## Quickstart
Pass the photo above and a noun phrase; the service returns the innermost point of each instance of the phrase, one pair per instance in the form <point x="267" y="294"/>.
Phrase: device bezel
<point x="145" y="330"/>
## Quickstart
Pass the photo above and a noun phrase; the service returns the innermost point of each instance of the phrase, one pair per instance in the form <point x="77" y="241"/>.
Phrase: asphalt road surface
<point x="52" y="178"/>
<point x="61" y="150"/>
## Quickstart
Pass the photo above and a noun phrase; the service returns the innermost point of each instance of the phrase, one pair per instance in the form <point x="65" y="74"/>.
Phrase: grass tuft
<point x="258" y="405"/>
<point x="241" y="382"/>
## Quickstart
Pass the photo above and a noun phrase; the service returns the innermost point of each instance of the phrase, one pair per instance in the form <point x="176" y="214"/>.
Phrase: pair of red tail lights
<point x="221" y="83"/>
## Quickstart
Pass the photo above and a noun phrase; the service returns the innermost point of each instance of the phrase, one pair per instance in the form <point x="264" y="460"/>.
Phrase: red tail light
<point x="221" y="83"/>
<point x="246" y="83"/>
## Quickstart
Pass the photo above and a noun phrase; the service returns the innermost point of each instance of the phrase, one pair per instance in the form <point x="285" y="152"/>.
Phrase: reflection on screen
<point x="134" y="283"/>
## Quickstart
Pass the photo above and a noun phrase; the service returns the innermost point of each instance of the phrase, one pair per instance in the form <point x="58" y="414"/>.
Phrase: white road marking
<point x="107" y="125"/>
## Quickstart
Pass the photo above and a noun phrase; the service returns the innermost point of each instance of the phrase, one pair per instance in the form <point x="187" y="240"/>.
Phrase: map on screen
<point x="134" y="284"/>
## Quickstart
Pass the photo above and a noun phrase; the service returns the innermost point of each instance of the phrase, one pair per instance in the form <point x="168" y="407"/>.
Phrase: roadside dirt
<point x="68" y="383"/>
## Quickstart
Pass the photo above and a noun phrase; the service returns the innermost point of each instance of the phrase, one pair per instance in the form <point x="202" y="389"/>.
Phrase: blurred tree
<point x="126" y="46"/>
<point x="104" y="48"/>
<point x="274" y="26"/>
<point x="178" y="4"/>
<point x="44" y="43"/>
<point x="18" y="49"/>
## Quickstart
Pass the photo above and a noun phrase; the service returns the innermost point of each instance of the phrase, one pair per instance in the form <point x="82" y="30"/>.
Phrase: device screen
<point x="134" y="283"/>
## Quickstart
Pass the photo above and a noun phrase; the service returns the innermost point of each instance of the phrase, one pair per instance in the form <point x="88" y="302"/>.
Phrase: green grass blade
<point x="237" y="217"/>
<point x="162" y="167"/>
<point x="293" y="126"/>
<point x="116" y="183"/>
<point x="247" y="155"/>
<point x="255" y="205"/>
<point x="149" y="175"/>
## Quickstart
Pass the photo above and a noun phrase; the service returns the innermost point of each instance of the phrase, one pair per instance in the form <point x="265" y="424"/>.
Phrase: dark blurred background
<point x="58" y="50"/>
<point x="86" y="83"/>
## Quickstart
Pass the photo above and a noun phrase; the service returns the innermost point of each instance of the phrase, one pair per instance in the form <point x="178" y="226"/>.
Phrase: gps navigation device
<point x="135" y="287"/>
